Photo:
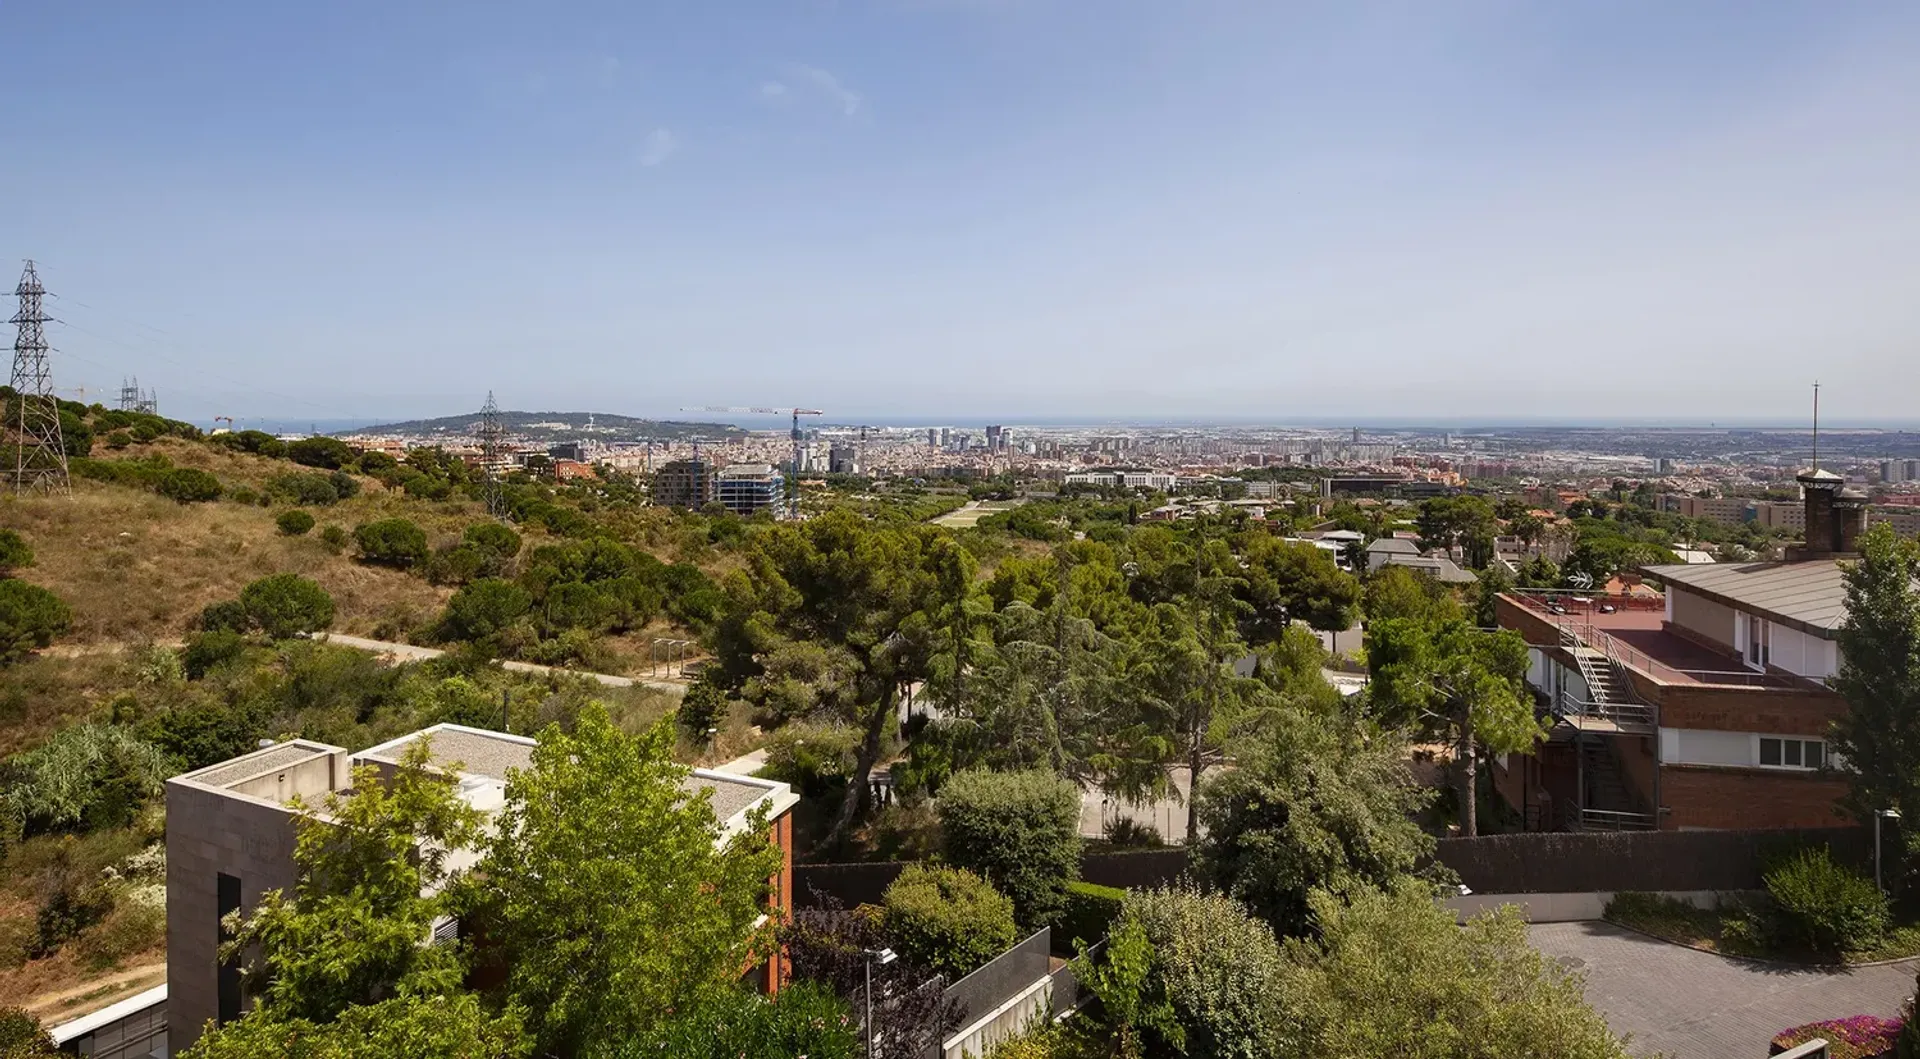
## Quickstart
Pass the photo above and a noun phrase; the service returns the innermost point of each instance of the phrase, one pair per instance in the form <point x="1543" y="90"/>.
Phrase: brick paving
<point x="1694" y="1005"/>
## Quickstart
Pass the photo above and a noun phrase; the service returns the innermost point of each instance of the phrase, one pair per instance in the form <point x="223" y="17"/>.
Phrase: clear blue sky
<point x="976" y="207"/>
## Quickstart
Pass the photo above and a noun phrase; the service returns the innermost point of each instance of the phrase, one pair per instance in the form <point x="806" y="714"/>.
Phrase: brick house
<point x="230" y="839"/>
<point x="1704" y="707"/>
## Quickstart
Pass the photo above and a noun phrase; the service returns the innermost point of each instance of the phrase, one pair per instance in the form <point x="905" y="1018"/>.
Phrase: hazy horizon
<point x="1480" y="213"/>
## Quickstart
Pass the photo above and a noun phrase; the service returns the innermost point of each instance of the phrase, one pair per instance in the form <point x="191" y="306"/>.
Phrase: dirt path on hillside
<point x="59" y="1005"/>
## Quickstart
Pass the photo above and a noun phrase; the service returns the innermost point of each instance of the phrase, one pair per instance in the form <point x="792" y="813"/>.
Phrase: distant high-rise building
<point x="843" y="459"/>
<point x="1356" y="435"/>
<point x="684" y="483"/>
<point x="565" y="450"/>
<point x="1662" y="465"/>
<point x="933" y="438"/>
<point x="1894" y="471"/>
<point x="745" y="488"/>
<point x="993" y="438"/>
<point x="946" y="437"/>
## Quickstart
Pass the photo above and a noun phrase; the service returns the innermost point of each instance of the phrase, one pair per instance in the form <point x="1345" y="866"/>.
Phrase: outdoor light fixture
<point x="1879" y="815"/>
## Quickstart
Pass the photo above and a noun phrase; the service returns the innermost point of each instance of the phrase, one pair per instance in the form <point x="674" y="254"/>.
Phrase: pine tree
<point x="1878" y="741"/>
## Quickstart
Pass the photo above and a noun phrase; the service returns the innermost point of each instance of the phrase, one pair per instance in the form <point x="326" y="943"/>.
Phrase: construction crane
<point x="793" y="477"/>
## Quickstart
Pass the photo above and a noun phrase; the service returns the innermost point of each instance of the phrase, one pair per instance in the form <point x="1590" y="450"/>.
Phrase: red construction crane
<point x="793" y="476"/>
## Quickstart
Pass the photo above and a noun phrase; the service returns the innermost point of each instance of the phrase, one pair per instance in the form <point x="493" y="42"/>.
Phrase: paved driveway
<point x="1695" y="1005"/>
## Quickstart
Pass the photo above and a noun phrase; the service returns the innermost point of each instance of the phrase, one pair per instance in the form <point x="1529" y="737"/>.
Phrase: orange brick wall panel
<point x="1636" y="754"/>
<point x="1739" y="799"/>
<point x="1779" y="711"/>
<point x="1532" y="628"/>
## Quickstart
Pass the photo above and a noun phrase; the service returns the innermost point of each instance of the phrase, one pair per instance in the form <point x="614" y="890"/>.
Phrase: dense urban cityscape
<point x="1350" y="531"/>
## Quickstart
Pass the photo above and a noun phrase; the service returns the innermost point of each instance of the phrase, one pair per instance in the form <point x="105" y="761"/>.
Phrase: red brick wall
<point x="1784" y="711"/>
<point x="1704" y="796"/>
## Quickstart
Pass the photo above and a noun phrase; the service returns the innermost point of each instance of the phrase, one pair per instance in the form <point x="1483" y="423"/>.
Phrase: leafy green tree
<point x="408" y="1026"/>
<point x="294" y="522"/>
<point x="1493" y="581"/>
<point x="1286" y="581"/>
<point x="866" y="592"/>
<point x="326" y="453"/>
<point x="1390" y="976"/>
<point x="803" y="1019"/>
<point x="1320" y="802"/>
<point x="15" y="554"/>
<point x="1877" y="740"/>
<point x="189" y="486"/>
<point x="1122" y="981"/>
<point x="1400" y="592"/>
<point x="1217" y="966"/>
<point x="1018" y="830"/>
<point x="30" y="617"/>
<point x="1455" y="682"/>
<point x="284" y="605"/>
<point x="613" y="896"/>
<point x="391" y="542"/>
<point x="374" y="874"/>
<point x="948" y="919"/>
<point x="701" y="709"/>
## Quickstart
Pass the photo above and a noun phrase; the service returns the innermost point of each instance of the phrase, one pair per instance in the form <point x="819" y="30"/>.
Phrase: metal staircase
<point x="1611" y="698"/>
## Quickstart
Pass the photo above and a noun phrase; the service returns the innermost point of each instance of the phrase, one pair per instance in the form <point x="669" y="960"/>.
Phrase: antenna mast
<point x="491" y="436"/>
<point x="40" y="455"/>
<point x="1816" y="424"/>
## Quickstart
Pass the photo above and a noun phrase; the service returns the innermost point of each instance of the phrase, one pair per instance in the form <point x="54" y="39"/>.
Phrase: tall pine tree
<point x="1878" y="741"/>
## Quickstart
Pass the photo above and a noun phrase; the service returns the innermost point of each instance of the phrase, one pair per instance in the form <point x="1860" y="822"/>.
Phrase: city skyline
<point x="928" y="210"/>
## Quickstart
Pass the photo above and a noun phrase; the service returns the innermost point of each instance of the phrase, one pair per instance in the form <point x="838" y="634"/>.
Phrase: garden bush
<point x="189" y="486"/>
<point x="1825" y="907"/>
<point x="948" y="919"/>
<point x="284" y="605"/>
<point x="1018" y="830"/>
<point x="294" y="523"/>
<point x="391" y="542"/>
<point x="1219" y="967"/>
<point x="1091" y="910"/>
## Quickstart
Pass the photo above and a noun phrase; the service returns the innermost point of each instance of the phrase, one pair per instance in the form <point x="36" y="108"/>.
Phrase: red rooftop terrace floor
<point x="1637" y="625"/>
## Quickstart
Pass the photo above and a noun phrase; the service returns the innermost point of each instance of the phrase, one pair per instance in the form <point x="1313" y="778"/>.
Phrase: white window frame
<point x="1750" y="646"/>
<point x="1826" y="753"/>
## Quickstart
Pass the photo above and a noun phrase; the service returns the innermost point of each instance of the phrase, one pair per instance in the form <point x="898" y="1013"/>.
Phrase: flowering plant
<point x="1854" y="1037"/>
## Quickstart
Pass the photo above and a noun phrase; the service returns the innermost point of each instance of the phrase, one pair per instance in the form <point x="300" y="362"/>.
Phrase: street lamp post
<point x="885" y="956"/>
<point x="1879" y="815"/>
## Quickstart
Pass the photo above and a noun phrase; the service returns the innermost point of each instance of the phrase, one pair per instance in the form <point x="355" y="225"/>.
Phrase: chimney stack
<point x="1836" y="517"/>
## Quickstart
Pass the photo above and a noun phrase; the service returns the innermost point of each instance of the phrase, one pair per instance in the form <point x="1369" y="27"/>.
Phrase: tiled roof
<point x="1394" y="545"/>
<point x="1811" y="594"/>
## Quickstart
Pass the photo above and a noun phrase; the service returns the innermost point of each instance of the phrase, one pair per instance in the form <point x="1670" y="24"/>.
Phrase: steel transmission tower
<point x="492" y="434"/>
<point x="40" y="456"/>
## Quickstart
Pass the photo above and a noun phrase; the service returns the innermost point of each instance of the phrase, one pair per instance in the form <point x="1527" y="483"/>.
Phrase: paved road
<point x="415" y="653"/>
<point x="1695" y="1005"/>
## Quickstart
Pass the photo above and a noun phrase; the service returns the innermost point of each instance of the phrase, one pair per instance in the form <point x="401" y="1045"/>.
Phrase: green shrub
<point x="294" y="523"/>
<point x="1091" y="910"/>
<point x="305" y="487"/>
<point x="119" y="439"/>
<point x="391" y="542"/>
<point x="1219" y="967"/>
<point x="241" y="494"/>
<point x="335" y="539"/>
<point x="816" y="758"/>
<point x="21" y="1036"/>
<point x="1824" y="906"/>
<point x="284" y="605"/>
<point x="701" y="709"/>
<point x="1125" y="832"/>
<point x="30" y="617"/>
<point x="947" y="919"/>
<point x="209" y="650"/>
<point x="225" y="616"/>
<point x="189" y="486"/>
<point x="1018" y="830"/>
<point x="15" y="554"/>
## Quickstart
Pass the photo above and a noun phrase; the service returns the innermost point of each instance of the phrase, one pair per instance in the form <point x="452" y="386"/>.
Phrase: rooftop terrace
<point x="1632" y="631"/>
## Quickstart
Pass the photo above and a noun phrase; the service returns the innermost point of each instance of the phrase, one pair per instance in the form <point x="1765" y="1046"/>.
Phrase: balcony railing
<point x="1611" y="820"/>
<point x="1617" y="712"/>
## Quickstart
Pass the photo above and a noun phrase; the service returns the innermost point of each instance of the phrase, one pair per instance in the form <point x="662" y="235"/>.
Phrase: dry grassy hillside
<point x="134" y="565"/>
